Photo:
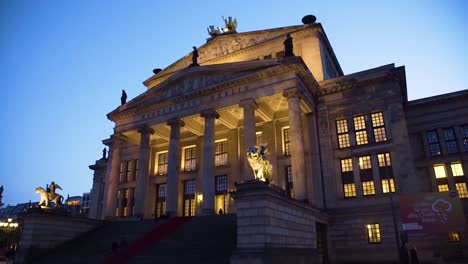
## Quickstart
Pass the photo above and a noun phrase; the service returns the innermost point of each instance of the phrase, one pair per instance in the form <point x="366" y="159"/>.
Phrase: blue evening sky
<point x="63" y="65"/>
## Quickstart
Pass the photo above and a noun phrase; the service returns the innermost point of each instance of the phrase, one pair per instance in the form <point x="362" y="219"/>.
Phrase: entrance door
<point x="189" y="198"/>
<point x="160" y="204"/>
<point x="322" y="251"/>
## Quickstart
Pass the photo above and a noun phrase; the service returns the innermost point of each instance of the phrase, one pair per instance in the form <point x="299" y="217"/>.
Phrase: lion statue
<point x="260" y="165"/>
<point x="46" y="197"/>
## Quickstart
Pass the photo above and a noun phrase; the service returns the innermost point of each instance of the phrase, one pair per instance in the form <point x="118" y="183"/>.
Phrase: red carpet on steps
<point x="149" y="239"/>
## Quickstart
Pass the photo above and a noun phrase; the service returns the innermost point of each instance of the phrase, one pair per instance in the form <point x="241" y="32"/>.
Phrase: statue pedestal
<point x="273" y="228"/>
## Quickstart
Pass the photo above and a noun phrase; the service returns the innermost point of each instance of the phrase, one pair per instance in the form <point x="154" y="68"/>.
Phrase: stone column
<point x="208" y="170"/>
<point x="141" y="188"/>
<point x="173" y="167"/>
<point x="249" y="107"/>
<point x="112" y="176"/>
<point x="296" y="134"/>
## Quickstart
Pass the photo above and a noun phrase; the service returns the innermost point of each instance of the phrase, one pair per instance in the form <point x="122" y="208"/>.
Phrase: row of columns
<point x="208" y="166"/>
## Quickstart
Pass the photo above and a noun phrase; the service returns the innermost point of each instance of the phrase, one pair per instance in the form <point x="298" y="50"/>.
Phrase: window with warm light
<point x="128" y="174"/>
<point x="189" y="198"/>
<point x="360" y="130"/>
<point x="222" y="197"/>
<point x="286" y="142"/>
<point x="343" y="133"/>
<point x="450" y="140"/>
<point x="347" y="165"/>
<point x="190" y="158"/>
<point x="289" y="182"/>
<point x="368" y="188"/>
<point x="121" y="175"/>
<point x="160" y="205"/>
<point x="162" y="161"/>
<point x="221" y="152"/>
<point x="433" y="141"/>
<point x="461" y="189"/>
<point x="440" y="172"/>
<point x="385" y="172"/>
<point x="258" y="138"/>
<point x="457" y="169"/>
<point x="125" y="203"/>
<point x="349" y="190"/>
<point x="367" y="179"/>
<point x="373" y="233"/>
<point x="443" y="187"/>
<point x="347" y="177"/>
<point x="365" y="163"/>
<point x="454" y="237"/>
<point x="378" y="127"/>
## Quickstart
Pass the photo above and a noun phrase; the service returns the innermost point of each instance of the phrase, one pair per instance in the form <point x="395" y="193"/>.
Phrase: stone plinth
<point x="273" y="228"/>
<point x="44" y="229"/>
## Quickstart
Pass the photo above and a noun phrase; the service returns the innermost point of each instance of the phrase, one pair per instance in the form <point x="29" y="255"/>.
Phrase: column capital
<point x="145" y="129"/>
<point x="291" y="93"/>
<point x="175" y="122"/>
<point x="113" y="139"/>
<point x="248" y="103"/>
<point x="209" y="113"/>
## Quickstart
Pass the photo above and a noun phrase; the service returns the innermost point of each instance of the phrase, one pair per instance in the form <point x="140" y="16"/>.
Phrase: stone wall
<point x="272" y="228"/>
<point x="46" y="229"/>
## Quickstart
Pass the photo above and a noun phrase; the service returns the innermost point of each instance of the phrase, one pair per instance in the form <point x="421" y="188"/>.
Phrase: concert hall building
<point x="345" y="145"/>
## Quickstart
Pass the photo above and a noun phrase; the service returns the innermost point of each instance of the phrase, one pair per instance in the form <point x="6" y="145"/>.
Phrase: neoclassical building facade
<point x="346" y="145"/>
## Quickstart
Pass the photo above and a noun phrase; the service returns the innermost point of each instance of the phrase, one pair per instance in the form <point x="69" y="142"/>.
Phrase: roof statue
<point x="260" y="165"/>
<point x="49" y="195"/>
<point x="231" y="24"/>
<point x="288" y="46"/>
<point x="213" y="32"/>
<point x="104" y="154"/>
<point x="1" y="195"/>
<point x="123" y="98"/>
<point x="194" y="57"/>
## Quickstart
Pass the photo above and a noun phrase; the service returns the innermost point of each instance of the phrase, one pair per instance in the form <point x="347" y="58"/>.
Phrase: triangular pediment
<point x="224" y="45"/>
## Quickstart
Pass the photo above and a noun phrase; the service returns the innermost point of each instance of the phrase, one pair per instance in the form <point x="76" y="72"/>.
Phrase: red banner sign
<point x="432" y="213"/>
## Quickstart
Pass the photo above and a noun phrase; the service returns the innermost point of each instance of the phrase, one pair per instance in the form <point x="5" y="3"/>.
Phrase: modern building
<point x="345" y="145"/>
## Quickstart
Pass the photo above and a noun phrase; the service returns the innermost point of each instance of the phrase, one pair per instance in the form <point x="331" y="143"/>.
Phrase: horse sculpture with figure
<point x="260" y="165"/>
<point x="46" y="197"/>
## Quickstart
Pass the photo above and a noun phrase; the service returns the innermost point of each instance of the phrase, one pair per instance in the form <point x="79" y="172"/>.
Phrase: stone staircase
<point x="201" y="239"/>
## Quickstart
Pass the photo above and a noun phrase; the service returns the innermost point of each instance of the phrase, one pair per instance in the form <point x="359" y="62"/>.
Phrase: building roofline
<point x="440" y="97"/>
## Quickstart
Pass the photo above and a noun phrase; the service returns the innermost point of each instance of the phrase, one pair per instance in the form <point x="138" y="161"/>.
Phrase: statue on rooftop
<point x="194" y="57"/>
<point x="104" y="154"/>
<point x="123" y="98"/>
<point x="49" y="195"/>
<point x="213" y="32"/>
<point x="260" y="165"/>
<point x="1" y="195"/>
<point x="231" y="24"/>
<point x="288" y="46"/>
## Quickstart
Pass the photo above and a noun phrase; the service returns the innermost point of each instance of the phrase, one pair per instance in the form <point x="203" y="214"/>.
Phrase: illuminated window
<point x="457" y="169"/>
<point x="121" y="176"/>
<point x="465" y="138"/>
<point x="221" y="152"/>
<point x="125" y="203"/>
<point x="368" y="188"/>
<point x="222" y="197"/>
<point x="258" y="138"/>
<point x="365" y="163"/>
<point x="190" y="160"/>
<point x="119" y="198"/>
<point x="343" y="133"/>
<point x="454" y="237"/>
<point x="443" y="187"/>
<point x="189" y="198"/>
<point x="347" y="176"/>
<point x="450" y="140"/>
<point x="128" y="174"/>
<point x="360" y="130"/>
<point x="163" y="160"/>
<point x="385" y="172"/>
<point x="378" y="126"/>
<point x="289" y="182"/>
<point x="461" y="188"/>
<point x="388" y="185"/>
<point x="286" y="142"/>
<point x="433" y="141"/>
<point x="373" y="233"/>
<point x="440" y="172"/>
<point x="349" y="190"/>
<point x="160" y="206"/>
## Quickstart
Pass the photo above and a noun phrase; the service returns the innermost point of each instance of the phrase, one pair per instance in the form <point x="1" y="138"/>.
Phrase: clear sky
<point x="63" y="65"/>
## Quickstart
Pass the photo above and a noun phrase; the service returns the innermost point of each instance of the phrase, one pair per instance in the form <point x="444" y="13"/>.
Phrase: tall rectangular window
<point x="373" y="233"/>
<point x="121" y="175"/>
<point x="450" y="140"/>
<point x="457" y="169"/>
<point x="162" y="161"/>
<point x="190" y="158"/>
<point x="343" y="133"/>
<point x="378" y="127"/>
<point x="461" y="189"/>
<point x="465" y="138"/>
<point x="125" y="203"/>
<point x="433" y="141"/>
<point x="360" y="130"/>
<point x="222" y="196"/>
<point x="160" y="205"/>
<point x="289" y="182"/>
<point x="189" y="198"/>
<point x="258" y="138"/>
<point x="221" y="153"/>
<point x="367" y="179"/>
<point x="136" y="169"/>
<point x="441" y="177"/>
<point x="129" y="174"/>
<point x="347" y="177"/>
<point x="385" y="172"/>
<point x="286" y="142"/>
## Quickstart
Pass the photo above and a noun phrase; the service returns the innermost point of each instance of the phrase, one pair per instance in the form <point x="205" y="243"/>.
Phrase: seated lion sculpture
<point x="260" y="165"/>
<point x="46" y="197"/>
